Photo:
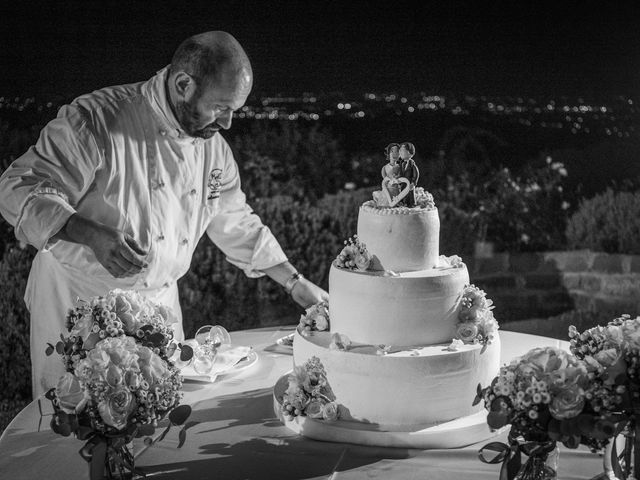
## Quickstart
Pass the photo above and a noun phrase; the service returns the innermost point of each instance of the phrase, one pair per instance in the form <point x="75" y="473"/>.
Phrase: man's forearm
<point x="77" y="230"/>
<point x="280" y="273"/>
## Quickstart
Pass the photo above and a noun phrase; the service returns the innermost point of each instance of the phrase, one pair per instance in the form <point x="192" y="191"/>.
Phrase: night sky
<point x="517" y="47"/>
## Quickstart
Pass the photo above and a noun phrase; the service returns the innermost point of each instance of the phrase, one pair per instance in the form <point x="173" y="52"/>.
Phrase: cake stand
<point x="453" y="434"/>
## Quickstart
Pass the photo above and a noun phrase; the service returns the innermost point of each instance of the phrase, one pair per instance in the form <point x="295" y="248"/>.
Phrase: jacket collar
<point x="155" y="91"/>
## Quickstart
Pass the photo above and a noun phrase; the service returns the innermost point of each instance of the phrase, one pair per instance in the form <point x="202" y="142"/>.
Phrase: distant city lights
<point x="615" y="118"/>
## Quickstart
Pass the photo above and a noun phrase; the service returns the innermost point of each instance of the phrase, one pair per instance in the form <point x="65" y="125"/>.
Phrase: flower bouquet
<point x="119" y="381"/>
<point x="544" y="397"/>
<point x="612" y="356"/>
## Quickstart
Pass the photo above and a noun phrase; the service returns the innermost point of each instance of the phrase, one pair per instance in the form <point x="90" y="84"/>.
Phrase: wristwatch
<point x="293" y="279"/>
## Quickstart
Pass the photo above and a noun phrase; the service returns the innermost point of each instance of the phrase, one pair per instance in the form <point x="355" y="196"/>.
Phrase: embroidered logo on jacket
<point x="214" y="183"/>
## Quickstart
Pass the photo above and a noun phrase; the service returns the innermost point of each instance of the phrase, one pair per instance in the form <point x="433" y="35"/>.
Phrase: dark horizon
<point x="520" y="48"/>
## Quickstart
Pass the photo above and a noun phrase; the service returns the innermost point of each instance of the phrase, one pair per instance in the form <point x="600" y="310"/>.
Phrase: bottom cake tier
<point x="398" y="389"/>
<point x="457" y="433"/>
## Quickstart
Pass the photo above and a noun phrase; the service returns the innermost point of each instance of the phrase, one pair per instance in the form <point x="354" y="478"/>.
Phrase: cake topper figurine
<point x="409" y="170"/>
<point x="399" y="177"/>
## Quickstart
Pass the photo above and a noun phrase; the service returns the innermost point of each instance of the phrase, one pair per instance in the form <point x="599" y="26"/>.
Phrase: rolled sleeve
<point x="45" y="212"/>
<point x="39" y="190"/>
<point x="246" y="242"/>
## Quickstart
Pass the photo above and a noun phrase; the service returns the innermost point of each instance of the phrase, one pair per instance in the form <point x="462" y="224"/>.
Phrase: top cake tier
<point x="401" y="239"/>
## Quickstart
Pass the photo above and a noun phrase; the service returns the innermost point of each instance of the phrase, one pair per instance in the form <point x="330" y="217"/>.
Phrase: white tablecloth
<point x="234" y="434"/>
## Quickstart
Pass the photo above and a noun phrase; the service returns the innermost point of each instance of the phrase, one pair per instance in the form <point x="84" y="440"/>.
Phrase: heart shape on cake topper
<point x="393" y="201"/>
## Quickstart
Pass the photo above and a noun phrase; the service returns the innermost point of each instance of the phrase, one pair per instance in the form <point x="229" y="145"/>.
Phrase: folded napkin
<point x="226" y="358"/>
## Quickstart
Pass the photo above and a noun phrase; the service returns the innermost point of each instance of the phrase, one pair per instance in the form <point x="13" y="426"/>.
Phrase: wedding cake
<point x="397" y="355"/>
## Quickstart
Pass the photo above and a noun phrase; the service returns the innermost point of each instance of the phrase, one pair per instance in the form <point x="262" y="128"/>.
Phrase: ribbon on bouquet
<point x="511" y="458"/>
<point x="106" y="453"/>
<point x="509" y="455"/>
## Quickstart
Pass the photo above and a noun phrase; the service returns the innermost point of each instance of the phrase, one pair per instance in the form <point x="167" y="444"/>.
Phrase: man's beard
<point x="188" y="118"/>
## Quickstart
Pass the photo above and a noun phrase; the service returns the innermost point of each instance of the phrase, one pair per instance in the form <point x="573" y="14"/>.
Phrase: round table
<point x="233" y="433"/>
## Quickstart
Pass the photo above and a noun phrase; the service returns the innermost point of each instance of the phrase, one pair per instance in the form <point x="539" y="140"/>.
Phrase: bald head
<point x="214" y="58"/>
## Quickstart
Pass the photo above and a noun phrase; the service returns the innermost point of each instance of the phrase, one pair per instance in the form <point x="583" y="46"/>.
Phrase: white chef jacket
<point x="119" y="156"/>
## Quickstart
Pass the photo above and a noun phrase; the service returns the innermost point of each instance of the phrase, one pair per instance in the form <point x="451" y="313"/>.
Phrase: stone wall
<point x="540" y="285"/>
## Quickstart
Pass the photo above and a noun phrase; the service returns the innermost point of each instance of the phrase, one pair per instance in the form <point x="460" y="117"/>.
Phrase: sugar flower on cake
<point x="309" y="393"/>
<point x="424" y="199"/>
<point x="455" y="345"/>
<point x="354" y="255"/>
<point x="454" y="261"/>
<point x="339" y="341"/>
<point x="476" y="323"/>
<point x="315" y="318"/>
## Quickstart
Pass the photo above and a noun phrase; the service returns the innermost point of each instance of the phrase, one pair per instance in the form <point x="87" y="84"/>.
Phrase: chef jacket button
<point x="146" y="284"/>
<point x="184" y="241"/>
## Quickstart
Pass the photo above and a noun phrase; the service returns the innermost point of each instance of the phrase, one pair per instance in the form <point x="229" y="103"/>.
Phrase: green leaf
<point x="573" y="441"/>
<point x="497" y="420"/>
<point x="156" y="338"/>
<point x="182" y="436"/>
<point x="164" y="433"/>
<point x="186" y="352"/>
<point x="171" y="349"/>
<point x="145" y="430"/>
<point x="180" y="414"/>
<point x="586" y="424"/>
<point x="84" y="432"/>
<point x="554" y="426"/>
<point x="572" y="426"/>
<point x="60" y="347"/>
<point x="49" y="350"/>
<point x="556" y="436"/>
<point x="60" y="425"/>
<point x="604" y="429"/>
<point x="621" y="379"/>
<point x="499" y="404"/>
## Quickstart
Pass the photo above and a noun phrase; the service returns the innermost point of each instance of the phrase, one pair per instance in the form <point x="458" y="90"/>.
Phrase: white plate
<point x="188" y="373"/>
<point x="286" y="341"/>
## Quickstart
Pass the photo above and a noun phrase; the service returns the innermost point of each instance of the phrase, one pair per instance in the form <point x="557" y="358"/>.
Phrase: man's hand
<point x="306" y="293"/>
<point x="116" y="251"/>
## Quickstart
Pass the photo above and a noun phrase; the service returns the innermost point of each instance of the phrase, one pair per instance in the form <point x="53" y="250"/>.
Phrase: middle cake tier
<point x="403" y="309"/>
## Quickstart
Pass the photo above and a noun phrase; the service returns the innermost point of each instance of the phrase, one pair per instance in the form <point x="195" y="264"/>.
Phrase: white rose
<point x="153" y="368"/>
<point x="467" y="332"/>
<point x="330" y="411"/>
<point x="614" y="334"/>
<point x="69" y="392"/>
<point x="314" y="409"/>
<point x="82" y="327"/>
<point x="362" y="261"/>
<point x="116" y="407"/>
<point x="321" y="322"/>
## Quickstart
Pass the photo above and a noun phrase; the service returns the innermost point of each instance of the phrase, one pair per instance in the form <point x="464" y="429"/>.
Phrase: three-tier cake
<point x="402" y="345"/>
